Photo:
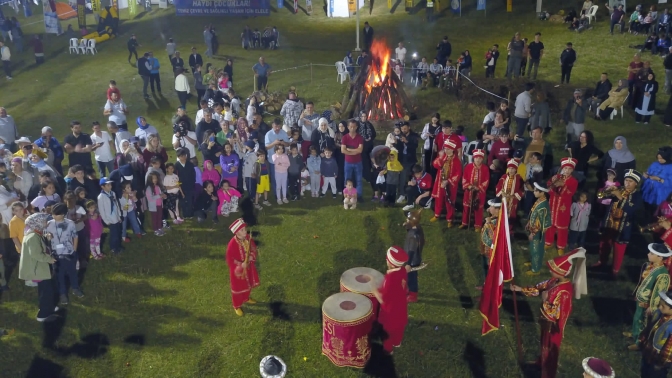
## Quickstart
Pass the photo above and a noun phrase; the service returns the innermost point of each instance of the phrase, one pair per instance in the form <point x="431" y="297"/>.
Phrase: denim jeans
<point x="521" y="124"/>
<point x="353" y="171"/>
<point x="67" y="266"/>
<point x="251" y="184"/>
<point x="105" y="167"/>
<point x="577" y="238"/>
<point x="115" y="236"/>
<point x="271" y="176"/>
<point x="132" y="218"/>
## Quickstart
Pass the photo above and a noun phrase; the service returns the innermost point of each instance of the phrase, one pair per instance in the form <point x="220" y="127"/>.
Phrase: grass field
<point x="162" y="308"/>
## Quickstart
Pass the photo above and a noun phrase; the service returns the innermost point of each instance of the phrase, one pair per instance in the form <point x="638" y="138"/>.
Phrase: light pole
<point x="357" y="31"/>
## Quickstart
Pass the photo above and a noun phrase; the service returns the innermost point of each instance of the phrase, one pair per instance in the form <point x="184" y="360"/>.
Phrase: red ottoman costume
<point x="510" y="188"/>
<point x="448" y="174"/>
<point x="393" y="313"/>
<point x="476" y="176"/>
<point x="241" y="253"/>
<point x="563" y="187"/>
<point x="557" y="306"/>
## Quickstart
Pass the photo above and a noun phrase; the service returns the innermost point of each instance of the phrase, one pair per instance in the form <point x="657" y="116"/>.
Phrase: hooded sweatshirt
<point x="210" y="174"/>
<point x="394" y="168"/>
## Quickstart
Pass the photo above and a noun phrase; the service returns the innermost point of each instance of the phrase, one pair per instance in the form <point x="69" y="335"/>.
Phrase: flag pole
<point x="460" y="8"/>
<point x="519" y="343"/>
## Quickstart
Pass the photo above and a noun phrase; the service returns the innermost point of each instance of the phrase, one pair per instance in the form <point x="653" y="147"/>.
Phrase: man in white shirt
<point x="8" y="131"/>
<point x="435" y="70"/>
<point x="182" y="87"/>
<point x="400" y="53"/>
<point x="187" y="141"/>
<point x="5" y="56"/>
<point x="102" y="149"/>
<point x="523" y="109"/>
<point x="116" y="110"/>
<point x="118" y="134"/>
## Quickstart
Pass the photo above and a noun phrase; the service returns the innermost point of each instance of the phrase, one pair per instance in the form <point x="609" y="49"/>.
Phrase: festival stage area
<point x="163" y="307"/>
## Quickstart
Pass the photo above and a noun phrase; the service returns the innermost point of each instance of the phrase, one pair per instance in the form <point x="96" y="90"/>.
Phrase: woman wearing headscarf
<point x="428" y="133"/>
<point x="131" y="155"/>
<point x="35" y="265"/>
<point x="144" y="130"/>
<point x="349" y="63"/>
<point x="322" y="137"/>
<point x="37" y="165"/>
<point x="646" y="105"/>
<point x="619" y="159"/>
<point x="658" y="180"/>
<point x="615" y="100"/>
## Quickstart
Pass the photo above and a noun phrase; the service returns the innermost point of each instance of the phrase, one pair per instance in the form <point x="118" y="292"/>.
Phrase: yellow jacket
<point x="615" y="99"/>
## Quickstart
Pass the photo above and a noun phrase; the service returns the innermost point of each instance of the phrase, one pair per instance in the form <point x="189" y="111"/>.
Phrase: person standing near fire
<point x="448" y="174"/>
<point x="368" y="132"/>
<point x="562" y="188"/>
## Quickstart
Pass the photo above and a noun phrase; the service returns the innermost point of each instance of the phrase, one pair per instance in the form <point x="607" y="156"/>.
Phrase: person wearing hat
<point x="475" y="181"/>
<point x="110" y="212"/>
<point x="415" y="241"/>
<point x="26" y="147"/>
<point x="538" y="222"/>
<point x="510" y="188"/>
<point x="654" y="278"/>
<point x="392" y="296"/>
<point x="448" y="175"/>
<point x="619" y="220"/>
<point x="574" y="116"/>
<point x="272" y="367"/>
<point x="488" y="235"/>
<point x="62" y="234"/>
<point x="562" y="187"/>
<point x="447" y="133"/>
<point x="52" y="147"/>
<point x="241" y="254"/>
<point x="597" y="368"/>
<point x="656" y="340"/>
<point x="556" y="307"/>
<point x="35" y="265"/>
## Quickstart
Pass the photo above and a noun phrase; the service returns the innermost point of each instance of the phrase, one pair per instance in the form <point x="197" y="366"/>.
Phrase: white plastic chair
<point x="91" y="47"/>
<point x="83" y="45"/>
<point x="591" y="13"/>
<point x="342" y="72"/>
<point x="74" y="45"/>
<point x="277" y="43"/>
<point x="615" y="112"/>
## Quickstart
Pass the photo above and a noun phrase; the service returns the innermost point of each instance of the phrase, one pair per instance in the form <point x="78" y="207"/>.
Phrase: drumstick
<point x="422" y="266"/>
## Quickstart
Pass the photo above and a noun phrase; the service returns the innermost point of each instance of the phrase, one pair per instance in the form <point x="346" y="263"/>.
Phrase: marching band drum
<point x="359" y="280"/>
<point x="347" y="319"/>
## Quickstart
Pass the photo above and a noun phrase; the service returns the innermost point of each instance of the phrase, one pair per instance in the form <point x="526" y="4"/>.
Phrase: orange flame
<point x="380" y="56"/>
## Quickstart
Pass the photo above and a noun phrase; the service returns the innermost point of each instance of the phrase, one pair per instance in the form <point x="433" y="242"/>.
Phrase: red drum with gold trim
<point x="346" y="323"/>
<point x="359" y="280"/>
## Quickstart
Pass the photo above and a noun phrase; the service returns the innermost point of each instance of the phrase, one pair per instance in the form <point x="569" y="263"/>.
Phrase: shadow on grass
<point x="474" y="356"/>
<point x="41" y="367"/>
<point x="453" y="265"/>
<point x="613" y="311"/>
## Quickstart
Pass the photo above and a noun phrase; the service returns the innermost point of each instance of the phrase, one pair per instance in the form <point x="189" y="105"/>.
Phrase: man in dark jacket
<point x="194" y="59"/>
<point x="601" y="92"/>
<point x="444" y="50"/>
<point x="567" y="59"/>
<point x="667" y="63"/>
<point x="187" y="175"/>
<point x="368" y="132"/>
<point x="368" y="36"/>
<point x="137" y="180"/>
<point x="407" y="145"/>
<point x="575" y="116"/>
<point x="144" y="70"/>
<point x="132" y="45"/>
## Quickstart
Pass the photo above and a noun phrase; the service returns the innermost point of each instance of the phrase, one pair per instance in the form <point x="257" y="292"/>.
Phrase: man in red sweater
<point x="501" y="151"/>
<point x="391" y="295"/>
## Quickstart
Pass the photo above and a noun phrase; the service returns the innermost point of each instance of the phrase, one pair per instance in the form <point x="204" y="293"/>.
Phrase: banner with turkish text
<point x="224" y="7"/>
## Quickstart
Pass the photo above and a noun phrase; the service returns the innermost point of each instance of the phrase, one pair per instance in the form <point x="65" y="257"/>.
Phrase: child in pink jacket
<point x="210" y="173"/>
<point x="228" y="199"/>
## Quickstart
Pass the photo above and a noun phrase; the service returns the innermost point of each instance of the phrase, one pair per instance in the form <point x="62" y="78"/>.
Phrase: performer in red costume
<point x="447" y="134"/>
<point x="448" y="173"/>
<point x="666" y="224"/>
<point x="393" y="313"/>
<point x="510" y="188"/>
<point x="556" y="306"/>
<point x="241" y="253"/>
<point x="562" y="186"/>
<point x="475" y="182"/>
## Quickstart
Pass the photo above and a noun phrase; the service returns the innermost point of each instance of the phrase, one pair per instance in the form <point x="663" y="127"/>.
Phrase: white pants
<point x="329" y="181"/>
<point x="350" y="201"/>
<point x="315" y="182"/>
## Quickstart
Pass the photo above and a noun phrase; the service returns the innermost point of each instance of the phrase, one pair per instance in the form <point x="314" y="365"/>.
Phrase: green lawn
<point x="162" y="309"/>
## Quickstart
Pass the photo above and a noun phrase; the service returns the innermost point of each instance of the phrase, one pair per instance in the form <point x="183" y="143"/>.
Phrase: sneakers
<point x="266" y="203"/>
<point x="126" y="240"/>
<point x="159" y="233"/>
<point x="77" y="293"/>
<point x="321" y="195"/>
<point x="407" y="207"/>
<point x="353" y="207"/>
<point x="279" y="202"/>
<point x="258" y="206"/>
<point x="401" y="199"/>
<point x="63" y="299"/>
<point x="31" y="284"/>
<point x="345" y="207"/>
<point x="48" y="319"/>
<point x="178" y="221"/>
<point x="284" y="200"/>
<point x="429" y="204"/>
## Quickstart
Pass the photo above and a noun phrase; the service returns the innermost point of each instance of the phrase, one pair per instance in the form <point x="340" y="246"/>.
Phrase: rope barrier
<point x="486" y="91"/>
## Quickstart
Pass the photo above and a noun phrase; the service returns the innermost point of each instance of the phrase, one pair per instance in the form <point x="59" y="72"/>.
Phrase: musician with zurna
<point x="510" y="188"/>
<point x="475" y="180"/>
<point x="562" y="188"/>
<point x="448" y="174"/>
<point x="619" y="220"/>
<point x="241" y="254"/>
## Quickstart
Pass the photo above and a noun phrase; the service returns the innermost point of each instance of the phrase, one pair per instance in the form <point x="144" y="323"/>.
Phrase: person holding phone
<point x="102" y="149"/>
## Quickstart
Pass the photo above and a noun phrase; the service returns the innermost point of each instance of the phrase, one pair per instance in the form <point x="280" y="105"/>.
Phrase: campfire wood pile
<point x="377" y="89"/>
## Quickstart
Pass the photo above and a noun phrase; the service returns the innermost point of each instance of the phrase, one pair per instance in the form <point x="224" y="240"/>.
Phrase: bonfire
<point x="377" y="89"/>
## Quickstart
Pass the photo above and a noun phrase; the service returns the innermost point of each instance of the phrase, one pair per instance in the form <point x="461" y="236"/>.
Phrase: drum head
<point x="359" y="280"/>
<point x="346" y="307"/>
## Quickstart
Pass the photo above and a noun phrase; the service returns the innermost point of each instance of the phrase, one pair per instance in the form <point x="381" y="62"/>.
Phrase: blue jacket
<point x="155" y="65"/>
<point x="313" y="164"/>
<point x="52" y="145"/>
<point x="329" y="167"/>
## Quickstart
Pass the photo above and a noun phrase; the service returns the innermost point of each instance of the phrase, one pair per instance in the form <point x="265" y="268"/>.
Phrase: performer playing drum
<point x="448" y="173"/>
<point x="358" y="280"/>
<point x="241" y="253"/>
<point x="346" y="323"/>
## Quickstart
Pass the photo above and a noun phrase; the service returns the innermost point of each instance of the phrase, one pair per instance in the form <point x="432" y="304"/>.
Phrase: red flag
<point x="500" y="271"/>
